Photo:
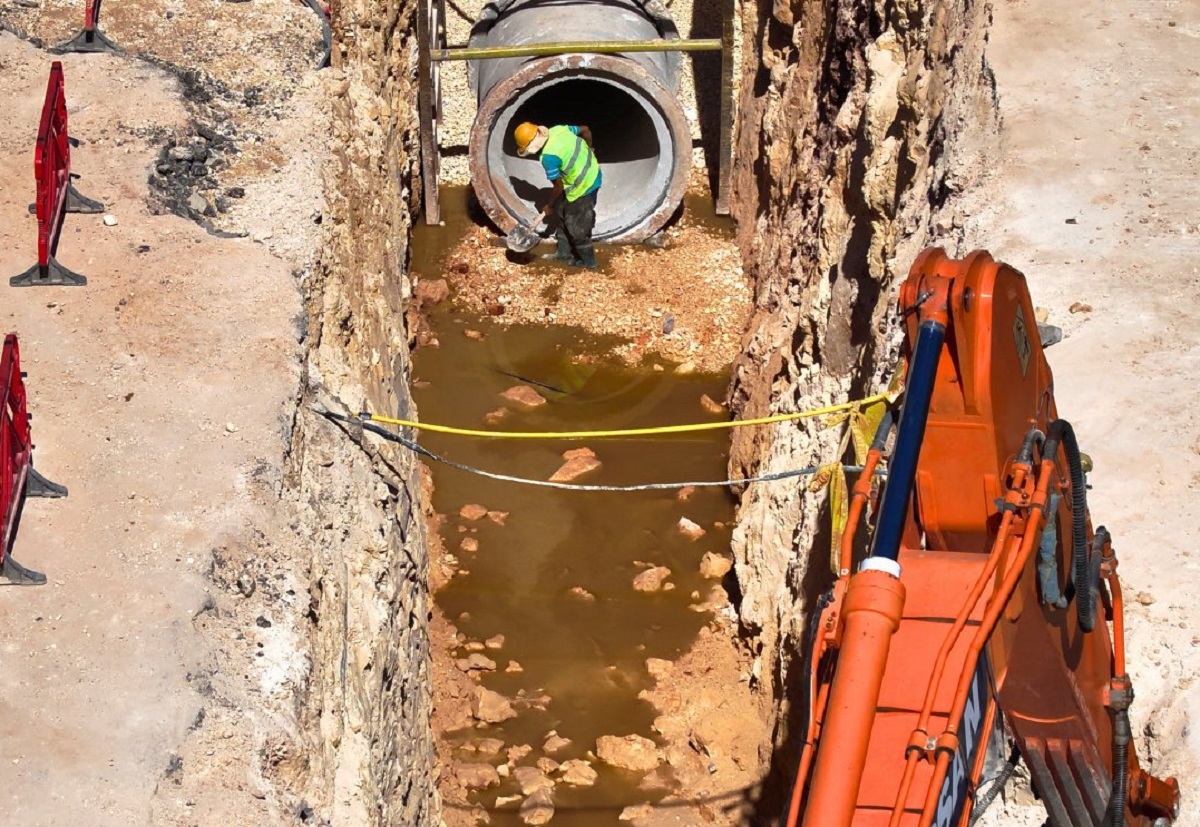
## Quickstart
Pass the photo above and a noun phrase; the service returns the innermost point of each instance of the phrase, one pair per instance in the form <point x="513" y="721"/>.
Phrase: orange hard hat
<point x="524" y="135"/>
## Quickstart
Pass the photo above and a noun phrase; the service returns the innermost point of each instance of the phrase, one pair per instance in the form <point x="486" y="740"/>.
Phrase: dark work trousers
<point x="576" y="220"/>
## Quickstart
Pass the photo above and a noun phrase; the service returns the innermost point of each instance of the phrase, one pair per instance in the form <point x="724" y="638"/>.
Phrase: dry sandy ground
<point x="161" y="394"/>
<point x="1095" y="199"/>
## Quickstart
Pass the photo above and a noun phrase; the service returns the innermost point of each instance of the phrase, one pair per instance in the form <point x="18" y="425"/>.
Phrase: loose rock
<point x="635" y="812"/>
<point x="531" y="780"/>
<point x="1146" y="599"/>
<point x="685" y="493"/>
<point x="431" y="291"/>
<point x="495" y="642"/>
<point x="472" y="512"/>
<point x="578" y="773"/>
<point x="658" y="668"/>
<point x="651" y="580"/>
<point x="498" y="517"/>
<point x="524" y="395"/>
<point x="477" y="776"/>
<point x="555" y="743"/>
<point x="476" y="663"/>
<point x="689" y="529"/>
<point x="538" y="808"/>
<point x="469" y="544"/>
<point x="710" y="405"/>
<point x="579" y="461"/>
<point x="631" y="752"/>
<point x="714" y="566"/>
<point x="582" y="593"/>
<point x="110" y="220"/>
<point x="492" y="707"/>
<point x="547" y="765"/>
<point x="1080" y="307"/>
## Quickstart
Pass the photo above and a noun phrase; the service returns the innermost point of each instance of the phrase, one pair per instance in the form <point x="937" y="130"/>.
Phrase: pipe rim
<point x="615" y="70"/>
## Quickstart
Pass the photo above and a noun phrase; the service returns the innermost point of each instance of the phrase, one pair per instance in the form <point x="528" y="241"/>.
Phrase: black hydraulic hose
<point x="1034" y="437"/>
<point x="1060" y="431"/>
<point x="1121" y="737"/>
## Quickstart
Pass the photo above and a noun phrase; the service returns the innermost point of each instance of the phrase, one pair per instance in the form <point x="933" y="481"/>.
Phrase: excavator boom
<point x="978" y="619"/>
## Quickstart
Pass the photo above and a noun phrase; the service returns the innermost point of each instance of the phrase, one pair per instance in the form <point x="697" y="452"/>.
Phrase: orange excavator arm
<point x="979" y="614"/>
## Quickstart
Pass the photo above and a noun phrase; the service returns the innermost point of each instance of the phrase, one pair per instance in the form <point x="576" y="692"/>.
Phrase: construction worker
<point x="570" y="164"/>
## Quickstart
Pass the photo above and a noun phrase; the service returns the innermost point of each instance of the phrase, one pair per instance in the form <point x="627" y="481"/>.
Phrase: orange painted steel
<point x="859" y="495"/>
<point x="904" y="707"/>
<point x="873" y="606"/>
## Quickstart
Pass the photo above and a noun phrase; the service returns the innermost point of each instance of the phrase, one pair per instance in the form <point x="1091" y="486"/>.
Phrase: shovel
<point x="523" y="238"/>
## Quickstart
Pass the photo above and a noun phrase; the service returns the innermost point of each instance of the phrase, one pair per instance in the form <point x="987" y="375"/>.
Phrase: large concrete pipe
<point x="630" y="101"/>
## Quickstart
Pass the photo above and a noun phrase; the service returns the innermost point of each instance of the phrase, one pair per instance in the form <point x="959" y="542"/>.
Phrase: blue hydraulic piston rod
<point x="902" y="468"/>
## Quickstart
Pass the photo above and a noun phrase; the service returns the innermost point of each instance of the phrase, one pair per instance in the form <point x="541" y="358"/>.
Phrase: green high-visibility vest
<point x="579" y="164"/>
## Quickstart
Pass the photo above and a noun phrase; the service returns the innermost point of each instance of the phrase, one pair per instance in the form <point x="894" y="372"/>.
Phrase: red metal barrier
<point x="90" y="38"/>
<point x="55" y="193"/>
<point x="18" y="479"/>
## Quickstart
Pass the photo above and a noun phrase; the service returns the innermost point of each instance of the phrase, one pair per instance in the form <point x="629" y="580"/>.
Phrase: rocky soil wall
<point x="367" y="704"/>
<point x="844" y="171"/>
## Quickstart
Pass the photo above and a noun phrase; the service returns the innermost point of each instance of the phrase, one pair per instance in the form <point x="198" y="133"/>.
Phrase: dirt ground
<point x="141" y="684"/>
<point x="1094" y="198"/>
<point x="160" y="656"/>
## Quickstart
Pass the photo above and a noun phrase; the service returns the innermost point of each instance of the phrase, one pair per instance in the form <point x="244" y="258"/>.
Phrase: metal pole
<point x="595" y="47"/>
<point x="725" y="162"/>
<point x="428" y="138"/>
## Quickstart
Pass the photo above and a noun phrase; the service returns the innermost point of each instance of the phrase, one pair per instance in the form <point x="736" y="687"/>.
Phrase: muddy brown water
<point x="587" y="657"/>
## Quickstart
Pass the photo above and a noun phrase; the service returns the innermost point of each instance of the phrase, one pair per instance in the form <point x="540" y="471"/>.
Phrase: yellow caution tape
<point x="666" y="429"/>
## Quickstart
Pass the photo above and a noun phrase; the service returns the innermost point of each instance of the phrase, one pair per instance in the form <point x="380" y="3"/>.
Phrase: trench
<point x="552" y="574"/>
<point x="846" y="164"/>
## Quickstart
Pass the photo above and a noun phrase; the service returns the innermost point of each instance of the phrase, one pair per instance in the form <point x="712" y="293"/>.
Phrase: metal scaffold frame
<point x="432" y="50"/>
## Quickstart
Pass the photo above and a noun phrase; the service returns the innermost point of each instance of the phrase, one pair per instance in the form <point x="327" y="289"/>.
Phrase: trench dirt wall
<point x="858" y="123"/>
<point x="366" y="708"/>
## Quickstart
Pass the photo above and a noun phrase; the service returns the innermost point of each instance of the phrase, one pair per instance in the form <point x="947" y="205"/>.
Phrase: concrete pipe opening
<point x="630" y="102"/>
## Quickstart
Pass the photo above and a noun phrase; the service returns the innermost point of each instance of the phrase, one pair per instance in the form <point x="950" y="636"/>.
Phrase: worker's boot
<point x="587" y="256"/>
<point x="563" y="251"/>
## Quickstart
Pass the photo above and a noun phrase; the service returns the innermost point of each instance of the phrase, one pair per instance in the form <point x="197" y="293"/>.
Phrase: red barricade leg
<point x="90" y="38"/>
<point x="18" y="480"/>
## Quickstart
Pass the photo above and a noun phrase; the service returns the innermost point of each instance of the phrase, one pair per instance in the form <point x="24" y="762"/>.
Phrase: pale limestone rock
<point x="476" y="662"/>
<point x="469" y="544"/>
<point x="658" y="668"/>
<point x="495" y="642"/>
<point x="685" y="493"/>
<point x="472" y="512"/>
<point x="516" y="753"/>
<point x="555" y="743"/>
<point x="714" y="566"/>
<point x="577" y="773"/>
<point x="635" y="812"/>
<point x="538" y="808"/>
<point x="630" y="752"/>
<point x="582" y="593"/>
<point x="524" y="395"/>
<point x="492" y="707"/>
<point x="689" y="529"/>
<point x="711" y="405"/>
<point x="547" y="765"/>
<point x="498" y="517"/>
<point x="431" y="291"/>
<point x="477" y="776"/>
<point x="579" y="461"/>
<point x="531" y="779"/>
<point x="651" y="580"/>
